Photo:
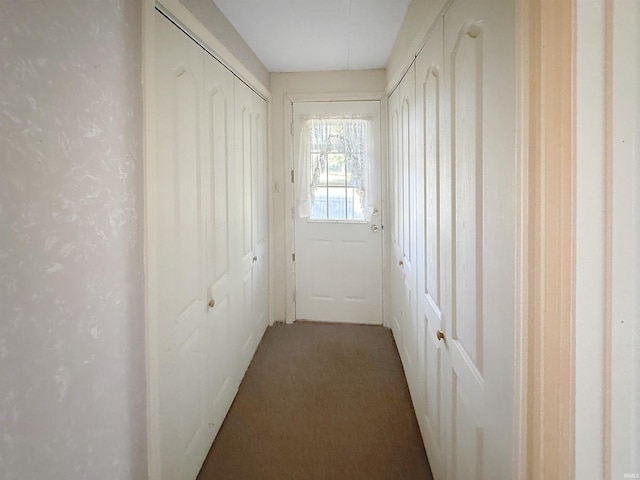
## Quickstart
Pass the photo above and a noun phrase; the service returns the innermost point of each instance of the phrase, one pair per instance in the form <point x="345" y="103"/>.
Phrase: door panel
<point x="395" y="208"/>
<point x="403" y="273"/>
<point x="430" y="260"/>
<point x="479" y="317"/>
<point x="467" y="176"/>
<point x="261" y="215"/>
<point x="181" y="292"/>
<point x="339" y="263"/>
<point x="464" y="49"/>
<point x="252" y="208"/>
<point x="219" y="148"/>
<point x="244" y="160"/>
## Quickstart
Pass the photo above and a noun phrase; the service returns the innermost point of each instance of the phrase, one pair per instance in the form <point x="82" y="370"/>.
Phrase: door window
<point x="333" y="169"/>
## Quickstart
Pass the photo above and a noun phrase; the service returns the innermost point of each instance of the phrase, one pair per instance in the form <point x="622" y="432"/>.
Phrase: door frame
<point x="181" y="16"/>
<point x="289" y="192"/>
<point x="546" y="51"/>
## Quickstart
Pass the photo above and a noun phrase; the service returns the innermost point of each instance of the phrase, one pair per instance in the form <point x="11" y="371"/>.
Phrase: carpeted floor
<point x="321" y="401"/>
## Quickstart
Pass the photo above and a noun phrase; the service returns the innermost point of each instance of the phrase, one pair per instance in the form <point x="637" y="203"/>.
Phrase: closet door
<point x="431" y="195"/>
<point x="479" y="307"/>
<point x="396" y="281"/>
<point x="250" y="160"/>
<point x="184" y="334"/>
<point x="406" y="254"/>
<point x="218" y="149"/>
<point x="260" y="216"/>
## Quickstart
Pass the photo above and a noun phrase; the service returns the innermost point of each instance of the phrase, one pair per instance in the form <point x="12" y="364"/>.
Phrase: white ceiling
<point x="315" y="35"/>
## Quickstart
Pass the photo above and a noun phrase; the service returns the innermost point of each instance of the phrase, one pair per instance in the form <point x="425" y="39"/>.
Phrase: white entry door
<point x="338" y="234"/>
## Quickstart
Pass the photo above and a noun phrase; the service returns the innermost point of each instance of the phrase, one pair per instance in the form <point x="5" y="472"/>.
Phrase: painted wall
<point x="72" y="350"/>
<point x="342" y="85"/>
<point x="211" y="17"/>
<point x="420" y="16"/>
<point x="607" y="336"/>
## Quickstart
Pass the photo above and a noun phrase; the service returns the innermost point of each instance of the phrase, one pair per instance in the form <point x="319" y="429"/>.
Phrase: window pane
<point x="337" y="203"/>
<point x="319" y="204"/>
<point x="319" y="170"/>
<point x="355" y="206"/>
<point x="355" y="171"/>
<point x="336" y="169"/>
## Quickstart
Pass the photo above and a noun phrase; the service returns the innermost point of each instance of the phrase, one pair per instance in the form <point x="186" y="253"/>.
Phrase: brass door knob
<point x="212" y="303"/>
<point x="440" y="335"/>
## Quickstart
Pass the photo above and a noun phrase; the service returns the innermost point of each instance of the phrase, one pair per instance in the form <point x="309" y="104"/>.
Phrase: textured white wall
<point x="207" y="12"/>
<point x="72" y="378"/>
<point x="336" y="85"/>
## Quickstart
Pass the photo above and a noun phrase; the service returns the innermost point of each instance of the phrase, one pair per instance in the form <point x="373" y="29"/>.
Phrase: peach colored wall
<point x="72" y="348"/>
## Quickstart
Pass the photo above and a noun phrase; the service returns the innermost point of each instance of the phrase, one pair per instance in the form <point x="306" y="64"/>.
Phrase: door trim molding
<point x="549" y="136"/>
<point x="520" y="384"/>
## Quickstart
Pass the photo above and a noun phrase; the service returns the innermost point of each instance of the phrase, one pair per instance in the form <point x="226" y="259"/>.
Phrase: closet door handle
<point x="440" y="335"/>
<point x="212" y="303"/>
<point x="401" y="263"/>
<point x="255" y="259"/>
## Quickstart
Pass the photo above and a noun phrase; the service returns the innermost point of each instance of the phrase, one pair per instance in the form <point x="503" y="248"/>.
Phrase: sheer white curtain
<point x="332" y="168"/>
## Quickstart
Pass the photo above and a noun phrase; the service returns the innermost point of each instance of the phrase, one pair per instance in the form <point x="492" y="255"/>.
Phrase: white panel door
<point x="394" y="173"/>
<point x="404" y="247"/>
<point x="184" y="333"/>
<point x="244" y="119"/>
<point x="218" y="149"/>
<point x="339" y="255"/>
<point x="260" y="217"/>
<point x="251" y="207"/>
<point x="479" y="194"/>
<point x="430" y="407"/>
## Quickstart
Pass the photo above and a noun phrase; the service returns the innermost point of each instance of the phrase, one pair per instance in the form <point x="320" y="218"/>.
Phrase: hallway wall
<point x="72" y="349"/>
<point x="335" y="85"/>
<point x="607" y="331"/>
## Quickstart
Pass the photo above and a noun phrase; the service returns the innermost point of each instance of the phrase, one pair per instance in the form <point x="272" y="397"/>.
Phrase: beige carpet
<point x="321" y="401"/>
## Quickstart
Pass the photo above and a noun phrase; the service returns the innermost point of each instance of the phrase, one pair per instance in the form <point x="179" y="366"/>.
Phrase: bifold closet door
<point x="479" y="308"/>
<point x="403" y="258"/>
<point x="432" y="245"/>
<point x="260" y="300"/>
<point x="222" y="265"/>
<point x="180" y="297"/>
<point x="251" y="210"/>
<point x="458" y="347"/>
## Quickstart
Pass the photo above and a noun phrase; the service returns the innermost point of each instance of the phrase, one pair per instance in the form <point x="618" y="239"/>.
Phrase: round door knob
<point x="401" y="263"/>
<point x="212" y="303"/>
<point x="255" y="259"/>
<point x="440" y="335"/>
<point x="375" y="228"/>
